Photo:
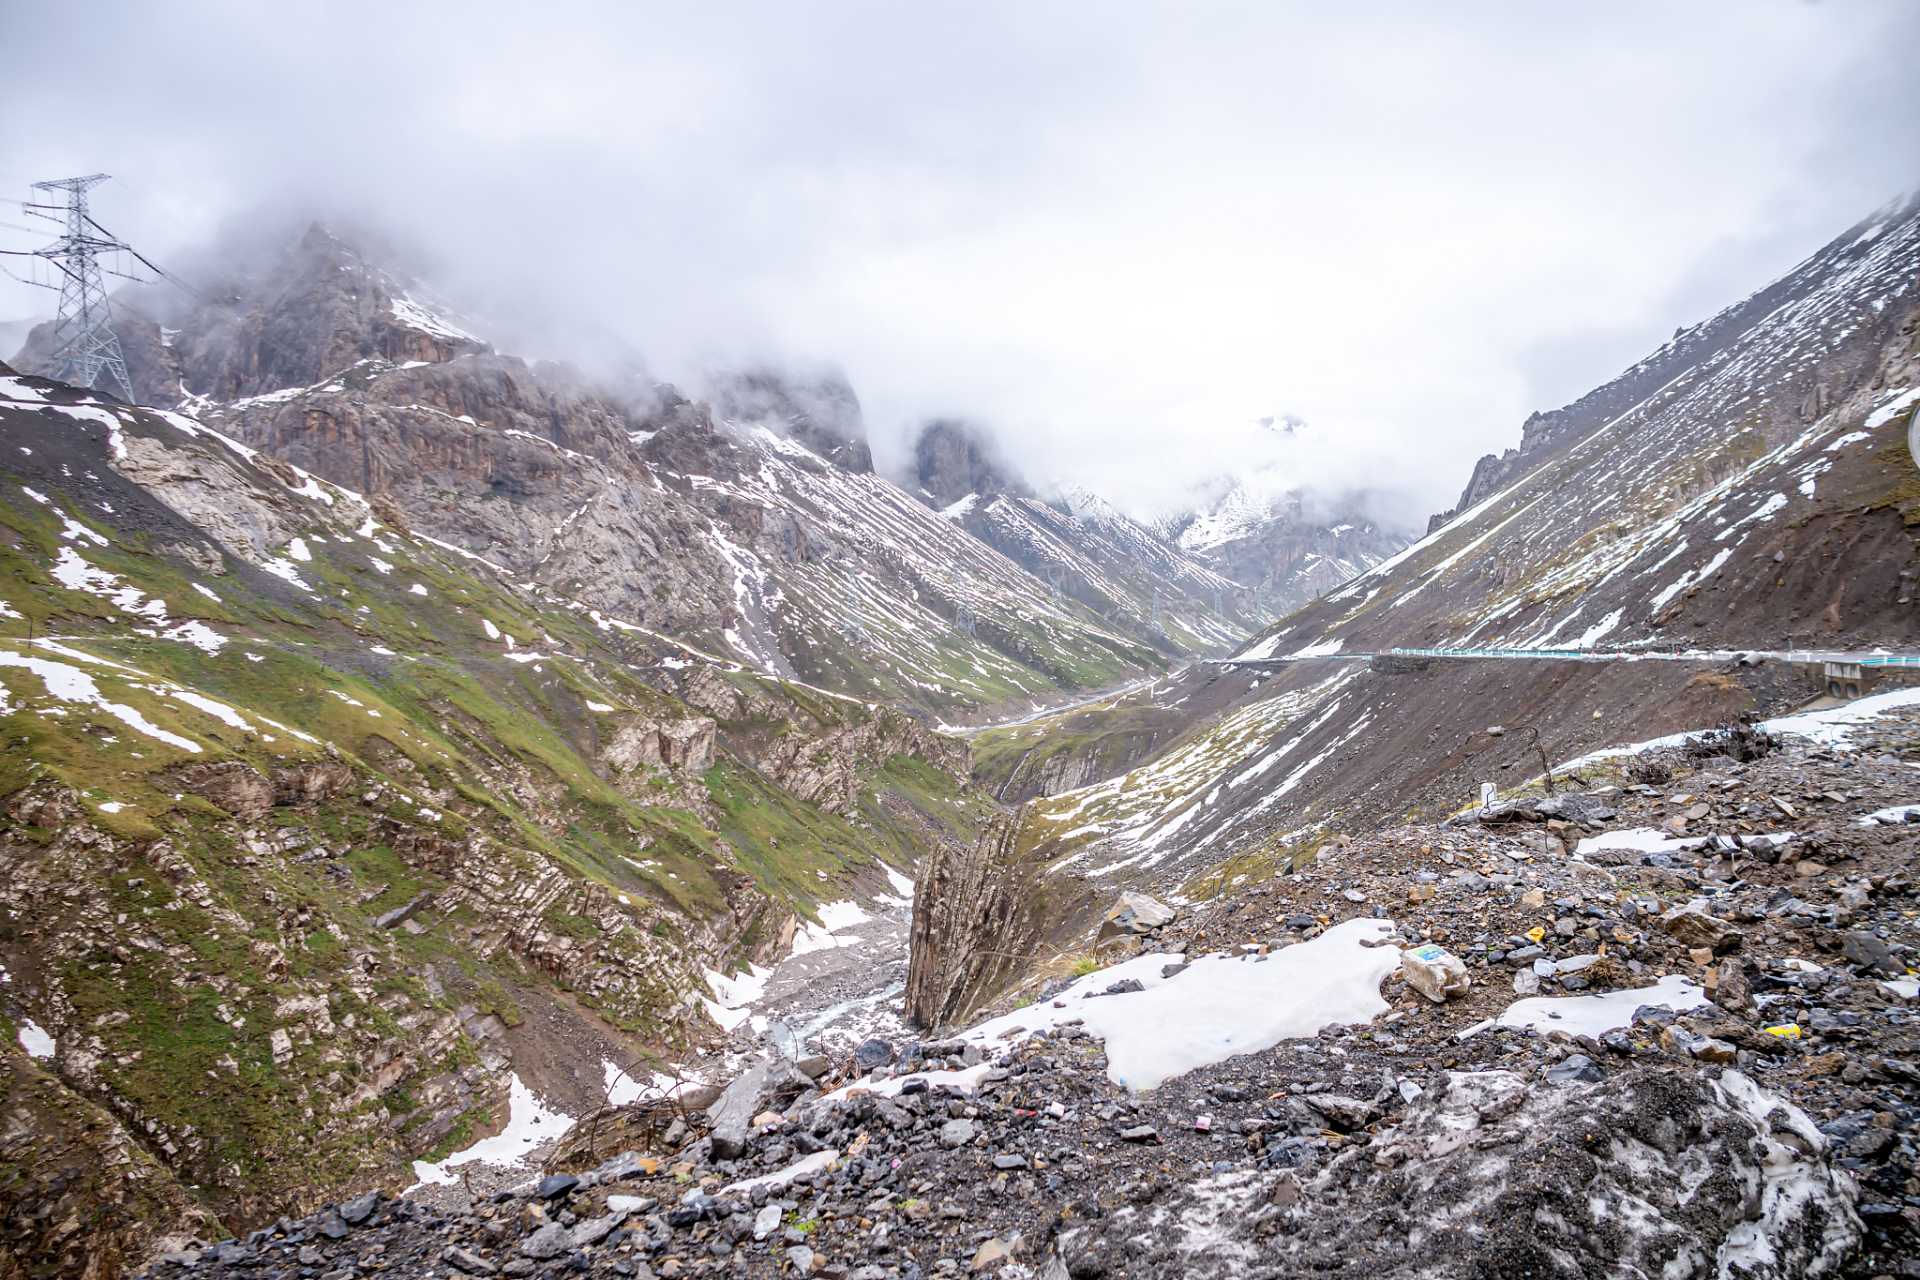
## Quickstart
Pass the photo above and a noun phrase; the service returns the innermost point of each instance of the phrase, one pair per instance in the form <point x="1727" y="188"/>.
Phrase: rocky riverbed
<point x="1732" y="1088"/>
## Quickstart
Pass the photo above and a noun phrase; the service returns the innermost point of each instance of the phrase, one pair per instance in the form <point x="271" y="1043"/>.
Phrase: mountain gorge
<point x="403" y="744"/>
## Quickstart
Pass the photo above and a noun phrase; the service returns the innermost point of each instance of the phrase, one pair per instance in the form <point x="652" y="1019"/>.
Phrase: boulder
<point x="1693" y="928"/>
<point x="732" y="1115"/>
<point x="310" y="782"/>
<point x="1134" y="913"/>
<point x="1867" y="950"/>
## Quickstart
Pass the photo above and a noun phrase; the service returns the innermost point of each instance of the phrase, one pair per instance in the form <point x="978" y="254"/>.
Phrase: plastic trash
<point x="1536" y="933"/>
<point x="1434" y="972"/>
<point x="1786" y="1031"/>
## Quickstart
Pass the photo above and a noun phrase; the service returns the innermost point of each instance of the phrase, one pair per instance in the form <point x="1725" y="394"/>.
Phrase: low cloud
<point x="1121" y="235"/>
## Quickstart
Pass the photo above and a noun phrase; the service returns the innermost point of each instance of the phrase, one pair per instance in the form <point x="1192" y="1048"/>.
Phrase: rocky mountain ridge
<point x="690" y="516"/>
<point x="319" y="838"/>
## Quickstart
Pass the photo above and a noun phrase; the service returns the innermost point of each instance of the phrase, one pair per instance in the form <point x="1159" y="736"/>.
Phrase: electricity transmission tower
<point x="85" y="348"/>
<point x="1159" y="620"/>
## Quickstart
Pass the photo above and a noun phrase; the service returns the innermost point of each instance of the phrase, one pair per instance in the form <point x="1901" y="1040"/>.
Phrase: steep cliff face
<point x="978" y="912"/>
<point x="314" y="835"/>
<point x="304" y="315"/>
<point x="821" y="411"/>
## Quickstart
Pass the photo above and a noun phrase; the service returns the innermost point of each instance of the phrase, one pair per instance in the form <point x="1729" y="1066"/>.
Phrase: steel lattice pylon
<point x="84" y="343"/>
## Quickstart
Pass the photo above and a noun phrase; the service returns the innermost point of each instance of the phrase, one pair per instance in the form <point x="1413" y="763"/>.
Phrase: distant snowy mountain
<point x="1276" y="548"/>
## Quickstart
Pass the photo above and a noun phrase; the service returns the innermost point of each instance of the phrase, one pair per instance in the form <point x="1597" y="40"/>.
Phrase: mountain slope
<point x="1746" y="487"/>
<point x="315" y="835"/>
<point x="737" y="534"/>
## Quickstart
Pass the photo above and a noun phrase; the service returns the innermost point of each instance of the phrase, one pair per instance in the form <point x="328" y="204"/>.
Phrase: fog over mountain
<point x="1122" y="239"/>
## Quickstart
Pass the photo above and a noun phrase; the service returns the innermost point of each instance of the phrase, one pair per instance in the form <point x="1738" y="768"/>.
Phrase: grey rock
<point x="1577" y="1068"/>
<point x="466" y="1260"/>
<point x="594" y="1230"/>
<point x="1863" y="948"/>
<point x="549" y="1241"/>
<point x="357" y="1210"/>
<point x="1471" y="1147"/>
<point x="1140" y="1133"/>
<point x="1009" y="1160"/>
<point x="1693" y="927"/>
<point x="1346" y="1113"/>
<point x="872" y="1053"/>
<point x="557" y="1184"/>
<point x="957" y="1133"/>
<point x="732" y="1114"/>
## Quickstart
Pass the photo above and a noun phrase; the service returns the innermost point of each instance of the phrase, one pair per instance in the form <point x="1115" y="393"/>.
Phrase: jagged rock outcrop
<point x="978" y="912"/>
<point x="952" y="459"/>
<point x="307" y="314"/>
<point x="821" y="411"/>
<point x="815" y="746"/>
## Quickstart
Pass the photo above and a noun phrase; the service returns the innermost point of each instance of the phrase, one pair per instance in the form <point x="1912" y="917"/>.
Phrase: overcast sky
<point x="1117" y="234"/>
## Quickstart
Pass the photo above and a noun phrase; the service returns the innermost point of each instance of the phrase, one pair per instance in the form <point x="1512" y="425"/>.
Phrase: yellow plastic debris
<point x="1536" y="933"/>
<point x="1786" y="1031"/>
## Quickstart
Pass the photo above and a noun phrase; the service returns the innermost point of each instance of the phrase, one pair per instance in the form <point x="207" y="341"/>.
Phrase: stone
<point x="1140" y="1133"/>
<point x="802" y="1259"/>
<point x="1575" y="1068"/>
<point x="356" y="1211"/>
<point x="814" y="1066"/>
<point x="732" y="1113"/>
<point x="1009" y="1160"/>
<point x="1732" y="991"/>
<point x="991" y="1253"/>
<point x="766" y="1221"/>
<point x="1168" y="970"/>
<point x="872" y="1053"/>
<point x="549" y="1241"/>
<point x="1865" y="949"/>
<point x="1526" y="983"/>
<point x="557" y="1184"/>
<point x="1345" y="1113"/>
<point x="1534" y="898"/>
<point x="957" y="1133"/>
<point x="1125" y="986"/>
<point x="594" y="1230"/>
<point x="1477" y="1148"/>
<point x="232" y="786"/>
<point x="1134" y="913"/>
<point x="1693" y="928"/>
<point x="1708" y="1049"/>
